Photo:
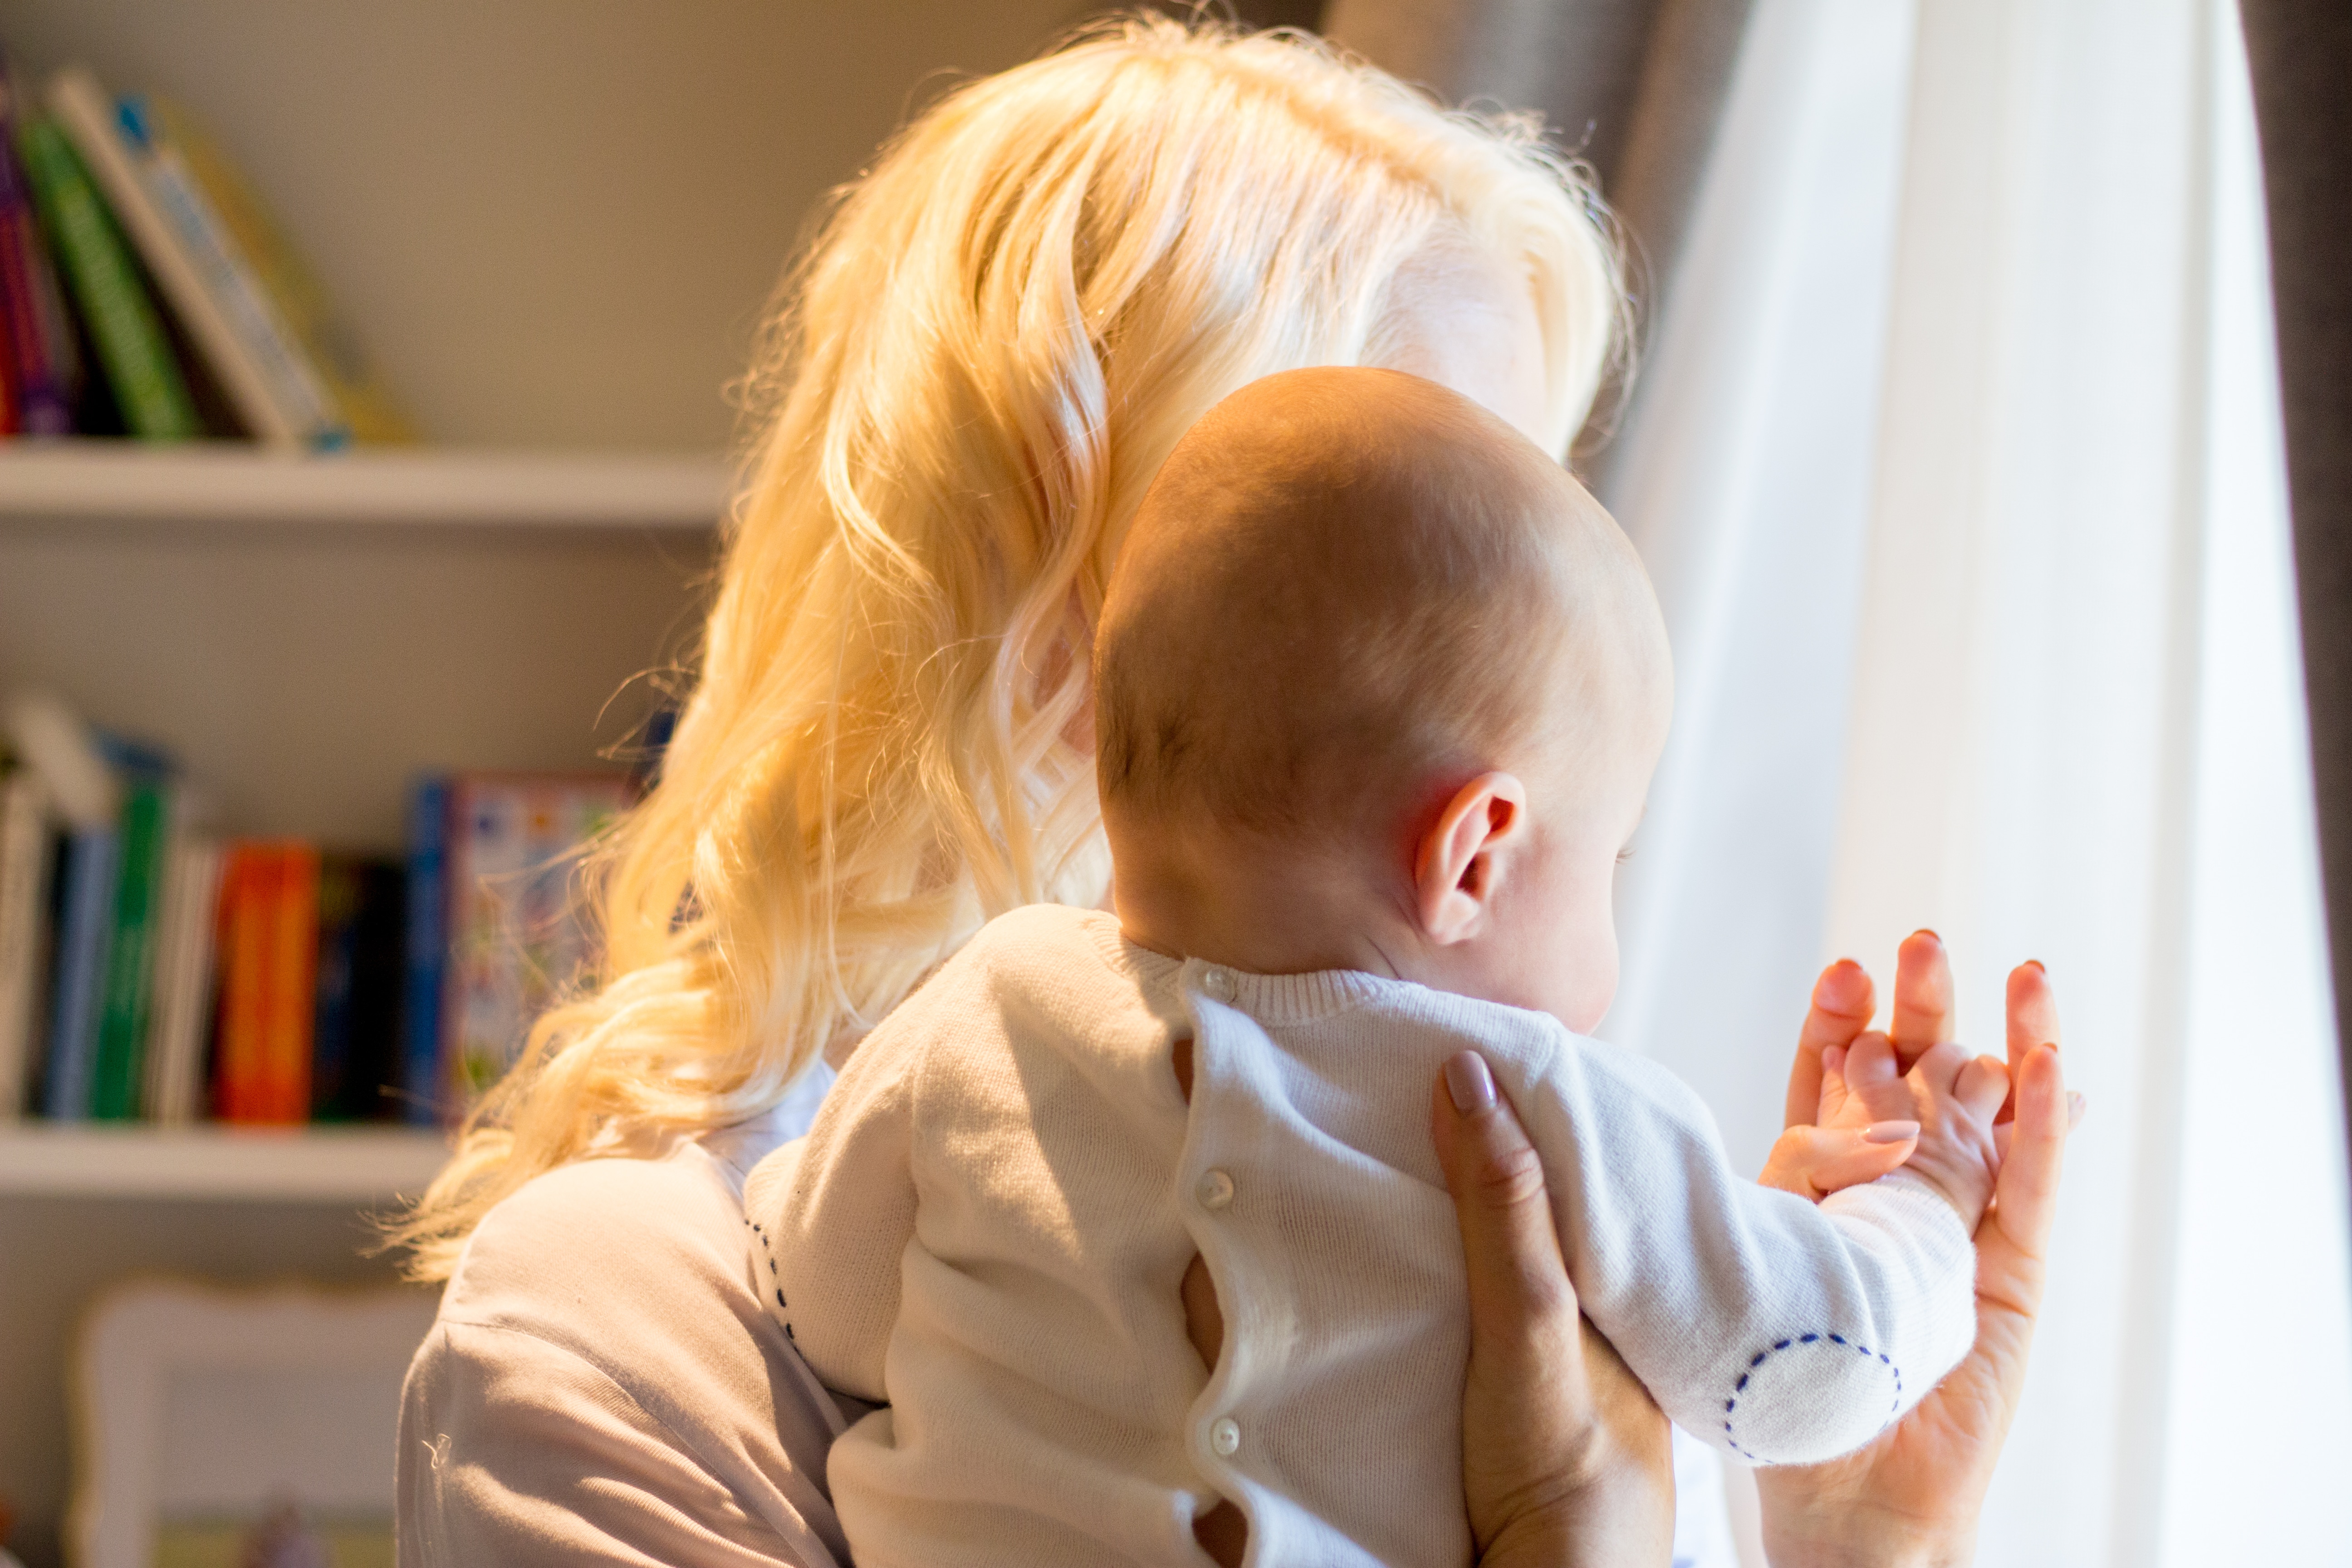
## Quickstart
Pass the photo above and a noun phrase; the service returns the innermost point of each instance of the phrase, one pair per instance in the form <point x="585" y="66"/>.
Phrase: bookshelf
<point x="218" y="484"/>
<point x="556" y="241"/>
<point x="339" y="1166"/>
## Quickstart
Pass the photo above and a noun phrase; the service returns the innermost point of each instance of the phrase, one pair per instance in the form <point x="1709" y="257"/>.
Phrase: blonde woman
<point x="991" y="346"/>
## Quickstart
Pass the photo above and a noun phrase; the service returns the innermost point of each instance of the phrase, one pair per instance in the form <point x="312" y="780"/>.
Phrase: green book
<point x="131" y="960"/>
<point x="106" y="287"/>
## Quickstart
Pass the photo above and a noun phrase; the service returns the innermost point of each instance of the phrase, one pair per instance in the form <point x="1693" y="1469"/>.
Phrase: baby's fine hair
<point x="1348" y="590"/>
<point x="995" y="337"/>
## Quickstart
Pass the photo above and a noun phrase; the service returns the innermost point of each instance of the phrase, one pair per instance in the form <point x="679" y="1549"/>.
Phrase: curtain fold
<point x="1958" y="465"/>
<point x="1634" y="88"/>
<point x="2301" y="55"/>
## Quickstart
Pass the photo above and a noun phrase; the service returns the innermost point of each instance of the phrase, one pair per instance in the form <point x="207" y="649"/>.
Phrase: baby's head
<point x="1378" y="685"/>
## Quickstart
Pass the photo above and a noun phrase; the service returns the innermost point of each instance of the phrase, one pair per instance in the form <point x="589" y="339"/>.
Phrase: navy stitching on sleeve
<point x="1760" y="1357"/>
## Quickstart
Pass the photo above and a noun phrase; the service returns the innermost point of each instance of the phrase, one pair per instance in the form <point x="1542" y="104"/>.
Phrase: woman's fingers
<point x="2033" y="1010"/>
<point x="1923" y="996"/>
<point x="2012" y="1245"/>
<point x="2076" y="1106"/>
<point x="1843" y="1005"/>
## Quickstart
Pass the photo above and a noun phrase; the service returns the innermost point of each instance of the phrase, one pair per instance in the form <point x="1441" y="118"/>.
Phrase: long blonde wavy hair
<point x="996" y="336"/>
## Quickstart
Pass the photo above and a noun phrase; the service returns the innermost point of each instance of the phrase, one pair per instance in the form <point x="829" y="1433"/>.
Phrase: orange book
<point x="290" y="1002"/>
<point x="248" y="893"/>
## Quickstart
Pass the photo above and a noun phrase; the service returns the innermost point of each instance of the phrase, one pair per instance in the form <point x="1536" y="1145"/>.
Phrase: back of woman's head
<point x="996" y="337"/>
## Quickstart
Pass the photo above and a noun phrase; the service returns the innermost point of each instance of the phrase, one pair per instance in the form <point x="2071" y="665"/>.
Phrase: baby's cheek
<point x="1592" y="979"/>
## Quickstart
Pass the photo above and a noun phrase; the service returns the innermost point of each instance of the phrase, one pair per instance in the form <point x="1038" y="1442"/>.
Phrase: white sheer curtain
<point x="1958" y="465"/>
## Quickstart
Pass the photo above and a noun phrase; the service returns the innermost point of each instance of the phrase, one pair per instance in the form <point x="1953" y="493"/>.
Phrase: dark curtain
<point x="1633" y="86"/>
<point x="2301" y="52"/>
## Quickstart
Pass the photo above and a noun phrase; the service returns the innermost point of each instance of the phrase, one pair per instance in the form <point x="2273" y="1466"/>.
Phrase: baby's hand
<point x="1848" y="1142"/>
<point x="1945" y="1105"/>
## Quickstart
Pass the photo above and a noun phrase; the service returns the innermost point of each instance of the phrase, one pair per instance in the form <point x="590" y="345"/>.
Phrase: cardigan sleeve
<point x="831" y="1215"/>
<point x="1782" y="1331"/>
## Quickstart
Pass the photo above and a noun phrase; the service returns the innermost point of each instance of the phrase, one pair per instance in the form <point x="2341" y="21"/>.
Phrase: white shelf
<point x="312" y="1164"/>
<point x="231" y="482"/>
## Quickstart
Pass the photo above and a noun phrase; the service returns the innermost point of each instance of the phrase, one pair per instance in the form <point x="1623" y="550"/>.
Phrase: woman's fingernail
<point x="1930" y="935"/>
<point x="1469" y="1082"/>
<point x="2035" y="965"/>
<point x="1890" y="1132"/>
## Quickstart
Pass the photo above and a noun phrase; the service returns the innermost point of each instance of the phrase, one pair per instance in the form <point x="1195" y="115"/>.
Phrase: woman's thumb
<point x="1519" y="1286"/>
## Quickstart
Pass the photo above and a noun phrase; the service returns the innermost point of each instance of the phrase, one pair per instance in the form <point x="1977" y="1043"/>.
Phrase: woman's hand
<point x="1912" y="1497"/>
<point x="1565" y="1460"/>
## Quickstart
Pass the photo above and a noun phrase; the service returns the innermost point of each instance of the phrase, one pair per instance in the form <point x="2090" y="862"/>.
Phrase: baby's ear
<point x="1456" y="865"/>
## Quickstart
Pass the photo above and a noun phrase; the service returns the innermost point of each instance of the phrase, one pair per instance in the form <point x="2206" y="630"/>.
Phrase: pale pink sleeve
<point x="603" y="1386"/>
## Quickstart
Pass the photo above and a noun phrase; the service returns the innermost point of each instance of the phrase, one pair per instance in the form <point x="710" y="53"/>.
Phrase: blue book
<point x="428" y="948"/>
<point x="84" y="934"/>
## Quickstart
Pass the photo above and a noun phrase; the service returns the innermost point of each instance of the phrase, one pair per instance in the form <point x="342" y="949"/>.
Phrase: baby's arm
<point x="1786" y="1331"/>
<point x="830" y="1216"/>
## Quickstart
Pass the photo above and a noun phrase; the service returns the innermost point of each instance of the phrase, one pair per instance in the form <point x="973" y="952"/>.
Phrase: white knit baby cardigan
<point x="987" y="1226"/>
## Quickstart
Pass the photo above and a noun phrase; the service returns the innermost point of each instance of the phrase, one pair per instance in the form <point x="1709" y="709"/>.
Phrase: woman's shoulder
<point x="604" y="1316"/>
<point x="577" y="1247"/>
<point x="598" y="1232"/>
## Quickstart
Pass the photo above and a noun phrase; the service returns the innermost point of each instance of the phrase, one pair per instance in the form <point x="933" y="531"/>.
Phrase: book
<point x="85" y="925"/>
<point x="197" y="266"/>
<point x="8" y="412"/>
<point x="290" y="1005"/>
<point x="124" y="328"/>
<point x="248" y="896"/>
<point x="27" y="855"/>
<point x="118" y="1070"/>
<point x="367" y="406"/>
<point x="50" y="740"/>
<point x="517" y="938"/>
<point x="41" y="358"/>
<point x="427" y="950"/>
<point x="182" y="1017"/>
<point x="355" y="1040"/>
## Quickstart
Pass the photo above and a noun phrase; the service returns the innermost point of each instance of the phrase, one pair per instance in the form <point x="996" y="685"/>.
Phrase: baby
<point x="1379" y="693"/>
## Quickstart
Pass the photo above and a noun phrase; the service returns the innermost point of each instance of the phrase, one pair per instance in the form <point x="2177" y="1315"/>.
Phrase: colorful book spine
<point x="195" y="263"/>
<point x="290" y="1010"/>
<point x="40" y="345"/>
<point x="365" y="402"/>
<point x="8" y="409"/>
<point x="421" y="1079"/>
<point x="25" y="866"/>
<point x="485" y="996"/>
<point x="183" y="981"/>
<point x="517" y="937"/>
<point x="123" y="326"/>
<point x="249" y="895"/>
<point x="86" y="922"/>
<point x="118" y="1076"/>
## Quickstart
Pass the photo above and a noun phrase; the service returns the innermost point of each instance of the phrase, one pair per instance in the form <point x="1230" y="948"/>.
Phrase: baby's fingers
<point x="1874" y="1077"/>
<point x="1982" y="1087"/>
<point x="1814" y="1161"/>
<point x="1833" y="1091"/>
